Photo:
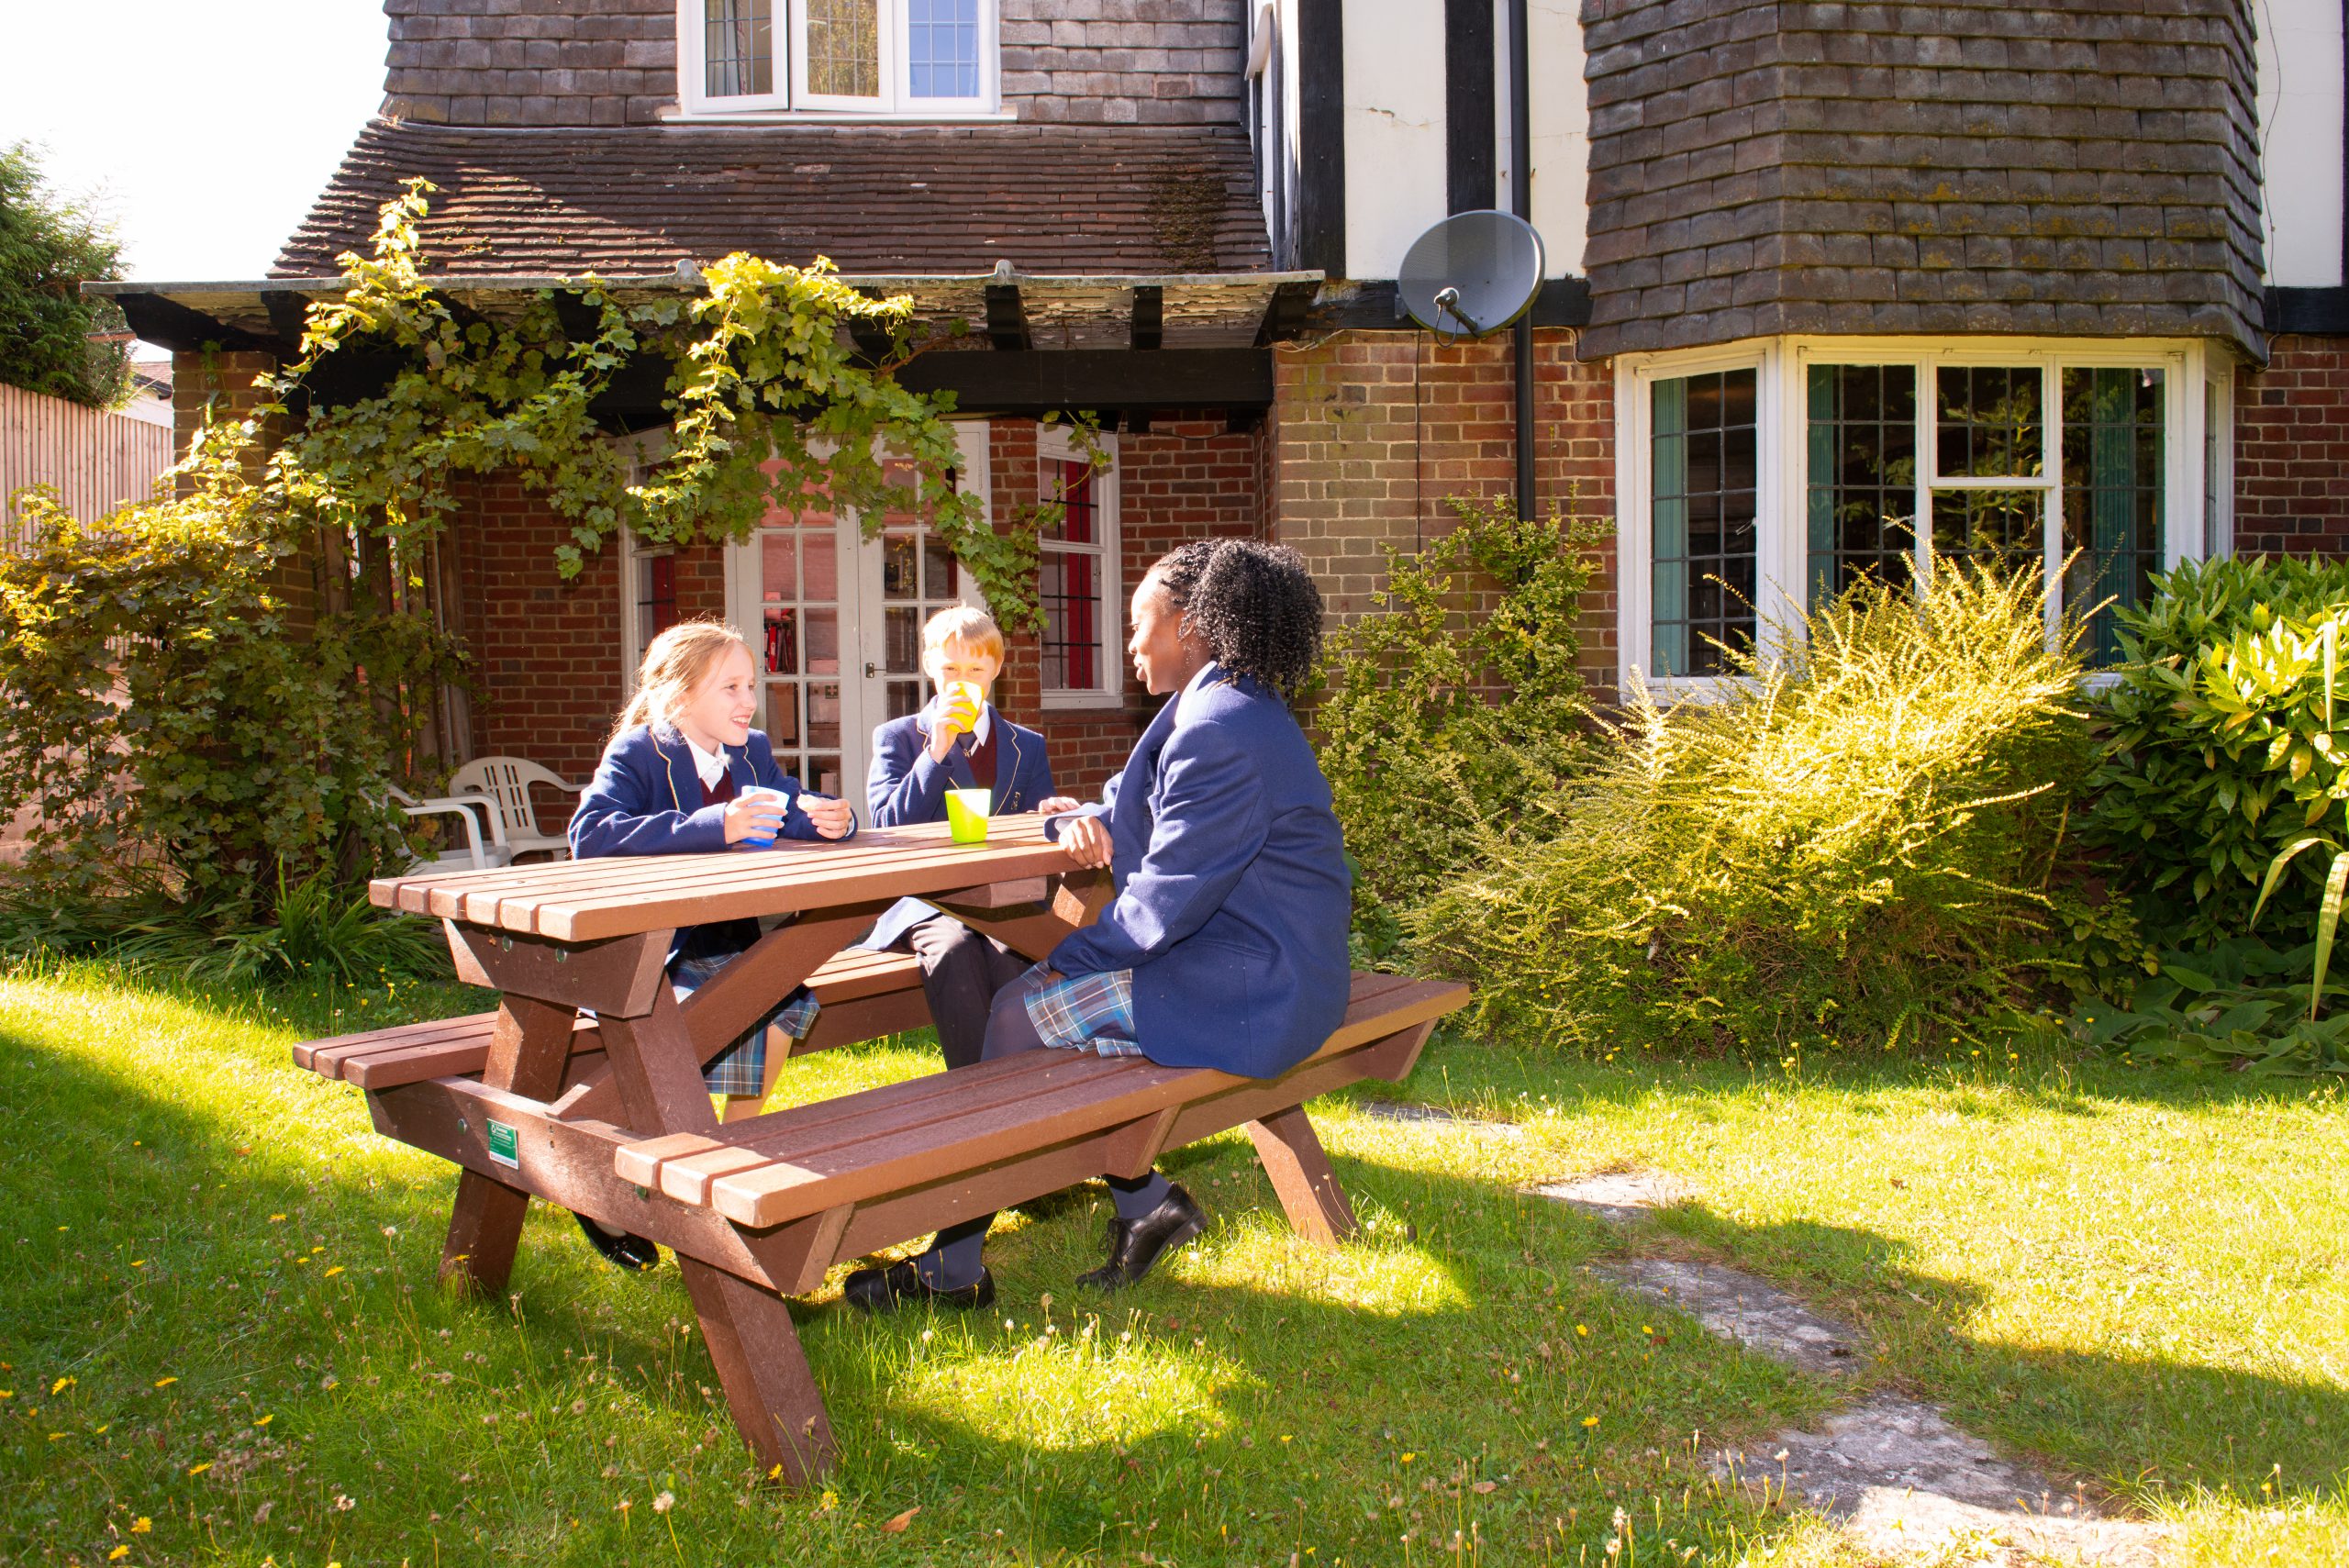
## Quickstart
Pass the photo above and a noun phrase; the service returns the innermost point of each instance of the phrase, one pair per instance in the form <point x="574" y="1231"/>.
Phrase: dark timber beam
<point x="1319" y="52"/>
<point x="175" y="326"/>
<point x="1007" y="319"/>
<point x="1470" y="117"/>
<point x="1150" y="316"/>
<point x="1011" y="382"/>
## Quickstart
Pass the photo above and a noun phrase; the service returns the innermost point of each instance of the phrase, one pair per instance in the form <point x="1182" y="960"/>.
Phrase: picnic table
<point x="583" y="1087"/>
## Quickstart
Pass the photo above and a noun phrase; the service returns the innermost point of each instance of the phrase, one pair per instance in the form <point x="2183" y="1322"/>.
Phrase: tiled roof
<point x="625" y="199"/>
<point x="1765" y="166"/>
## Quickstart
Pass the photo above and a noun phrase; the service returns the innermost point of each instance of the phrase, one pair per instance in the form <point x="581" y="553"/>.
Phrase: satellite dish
<point x="1471" y="274"/>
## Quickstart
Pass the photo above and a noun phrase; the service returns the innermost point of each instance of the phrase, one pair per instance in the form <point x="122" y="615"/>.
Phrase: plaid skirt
<point x="741" y="1068"/>
<point x="1083" y="1012"/>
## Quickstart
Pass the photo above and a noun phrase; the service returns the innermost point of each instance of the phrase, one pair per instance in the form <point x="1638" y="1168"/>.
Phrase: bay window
<point x="1770" y="478"/>
<point x="900" y="57"/>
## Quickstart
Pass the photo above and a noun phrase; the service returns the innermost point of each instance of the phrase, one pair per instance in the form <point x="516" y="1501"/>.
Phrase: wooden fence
<point x="95" y="460"/>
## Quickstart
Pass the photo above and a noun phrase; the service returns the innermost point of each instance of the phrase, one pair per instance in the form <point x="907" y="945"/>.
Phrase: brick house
<point x="1828" y="281"/>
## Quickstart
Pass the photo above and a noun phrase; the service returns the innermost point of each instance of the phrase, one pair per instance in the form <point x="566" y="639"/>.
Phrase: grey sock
<point x="1137" y="1199"/>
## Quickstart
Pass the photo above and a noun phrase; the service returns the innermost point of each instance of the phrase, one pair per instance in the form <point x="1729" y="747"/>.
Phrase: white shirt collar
<point x="710" y="765"/>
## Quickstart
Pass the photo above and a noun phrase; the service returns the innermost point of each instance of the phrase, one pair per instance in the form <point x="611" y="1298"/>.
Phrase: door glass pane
<point x="782" y="720"/>
<point x="899" y="563"/>
<point x="782" y="641"/>
<point x="1860" y="482"/>
<point x="1704" y="456"/>
<point x="738" y="48"/>
<point x="901" y="698"/>
<point x="824" y="715"/>
<point x="1071" y="484"/>
<point x="823" y="642"/>
<point x="778" y="566"/>
<point x="822" y="774"/>
<point x="819" y="558"/>
<point x="938" y="570"/>
<point x="844" y="48"/>
<point x="1988" y="423"/>
<point x="2112" y="496"/>
<point x="943" y="49"/>
<point x="901" y="641"/>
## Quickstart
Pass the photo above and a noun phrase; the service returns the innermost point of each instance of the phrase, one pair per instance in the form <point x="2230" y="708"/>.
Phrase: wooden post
<point x="776" y="1405"/>
<point x="530" y="1047"/>
<point x="1308" y="1189"/>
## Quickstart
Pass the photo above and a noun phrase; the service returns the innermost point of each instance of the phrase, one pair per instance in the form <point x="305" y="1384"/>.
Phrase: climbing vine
<point x="771" y="404"/>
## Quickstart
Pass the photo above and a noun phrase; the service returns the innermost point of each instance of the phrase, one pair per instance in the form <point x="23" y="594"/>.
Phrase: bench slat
<point x="866" y="1146"/>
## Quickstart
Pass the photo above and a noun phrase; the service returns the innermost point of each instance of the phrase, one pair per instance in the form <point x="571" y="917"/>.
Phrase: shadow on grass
<point x="2131" y="1424"/>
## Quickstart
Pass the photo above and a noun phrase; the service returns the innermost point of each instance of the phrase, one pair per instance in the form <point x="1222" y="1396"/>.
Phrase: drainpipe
<point x="1520" y="182"/>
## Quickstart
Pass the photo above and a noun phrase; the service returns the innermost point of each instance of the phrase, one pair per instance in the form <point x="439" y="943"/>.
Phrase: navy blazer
<point x="1234" y="897"/>
<point x="904" y="784"/>
<point x="646" y="800"/>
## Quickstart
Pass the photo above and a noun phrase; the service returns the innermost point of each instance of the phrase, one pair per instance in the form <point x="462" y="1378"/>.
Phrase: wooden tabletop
<point x="579" y="901"/>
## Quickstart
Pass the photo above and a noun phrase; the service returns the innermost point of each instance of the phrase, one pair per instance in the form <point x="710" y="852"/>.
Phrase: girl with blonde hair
<point x="685" y="774"/>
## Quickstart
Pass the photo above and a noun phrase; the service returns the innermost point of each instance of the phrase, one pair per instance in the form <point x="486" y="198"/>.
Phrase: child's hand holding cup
<point x="755" y="816"/>
<point x="959" y="706"/>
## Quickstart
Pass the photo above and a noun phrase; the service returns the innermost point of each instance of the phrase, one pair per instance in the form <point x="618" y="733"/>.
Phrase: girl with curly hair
<point x="1225" y="944"/>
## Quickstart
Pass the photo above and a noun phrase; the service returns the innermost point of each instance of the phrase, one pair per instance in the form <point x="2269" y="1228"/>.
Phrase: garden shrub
<point x="2223" y="752"/>
<point x="171" y="720"/>
<point x="1851" y="843"/>
<point x="1476" y="645"/>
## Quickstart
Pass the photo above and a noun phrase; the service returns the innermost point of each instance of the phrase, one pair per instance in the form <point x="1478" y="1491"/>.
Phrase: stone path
<point x="1900" y="1478"/>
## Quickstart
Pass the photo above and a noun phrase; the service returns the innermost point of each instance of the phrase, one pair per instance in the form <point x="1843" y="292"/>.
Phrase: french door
<point x="834" y="621"/>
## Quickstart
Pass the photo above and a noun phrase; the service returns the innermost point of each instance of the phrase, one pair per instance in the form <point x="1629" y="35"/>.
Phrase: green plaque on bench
<point x="505" y="1144"/>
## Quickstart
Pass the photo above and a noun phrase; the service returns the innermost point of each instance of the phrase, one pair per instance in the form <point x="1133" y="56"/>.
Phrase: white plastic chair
<point x="507" y="781"/>
<point x="473" y="811"/>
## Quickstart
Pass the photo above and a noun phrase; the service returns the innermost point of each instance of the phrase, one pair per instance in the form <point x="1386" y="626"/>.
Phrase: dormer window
<point x="879" y="57"/>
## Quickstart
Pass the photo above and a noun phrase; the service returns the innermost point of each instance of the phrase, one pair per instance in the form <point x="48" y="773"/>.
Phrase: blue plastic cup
<point x="762" y="840"/>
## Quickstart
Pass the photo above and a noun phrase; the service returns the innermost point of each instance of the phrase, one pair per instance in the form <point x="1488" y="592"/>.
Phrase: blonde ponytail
<point x="674" y="664"/>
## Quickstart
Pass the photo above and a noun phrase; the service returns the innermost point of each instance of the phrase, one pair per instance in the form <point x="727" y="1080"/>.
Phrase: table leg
<point x="1293" y="1157"/>
<point x="773" y="1397"/>
<point x="527" y="1053"/>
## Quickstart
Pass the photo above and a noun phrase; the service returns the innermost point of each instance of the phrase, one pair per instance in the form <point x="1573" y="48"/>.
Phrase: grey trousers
<point x="960" y="973"/>
<point x="954" y="1259"/>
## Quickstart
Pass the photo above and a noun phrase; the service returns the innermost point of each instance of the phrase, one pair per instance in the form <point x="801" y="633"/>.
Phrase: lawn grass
<point x="221" y="1321"/>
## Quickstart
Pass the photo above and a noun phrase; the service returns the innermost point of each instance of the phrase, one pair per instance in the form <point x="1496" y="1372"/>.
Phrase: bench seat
<point x="893" y="1162"/>
<point x="865" y="995"/>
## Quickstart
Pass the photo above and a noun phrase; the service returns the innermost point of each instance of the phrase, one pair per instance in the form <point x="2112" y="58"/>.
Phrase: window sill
<point x="837" y="116"/>
<point x="1083" y="702"/>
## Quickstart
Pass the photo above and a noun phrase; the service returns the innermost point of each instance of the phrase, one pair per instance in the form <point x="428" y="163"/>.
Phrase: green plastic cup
<point x="966" y="814"/>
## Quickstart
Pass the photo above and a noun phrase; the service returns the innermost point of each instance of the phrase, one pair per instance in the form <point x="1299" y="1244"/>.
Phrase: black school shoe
<point x="1135" y="1245"/>
<point x="880" y="1290"/>
<point x="631" y="1253"/>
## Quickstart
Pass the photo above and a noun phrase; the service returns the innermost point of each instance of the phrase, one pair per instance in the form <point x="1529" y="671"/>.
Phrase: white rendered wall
<point x="2301" y="101"/>
<point x="1395" y="132"/>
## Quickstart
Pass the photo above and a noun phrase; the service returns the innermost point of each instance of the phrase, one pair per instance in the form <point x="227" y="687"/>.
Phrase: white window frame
<point x="1782" y="411"/>
<point x="1055" y="445"/>
<point x="791" y="100"/>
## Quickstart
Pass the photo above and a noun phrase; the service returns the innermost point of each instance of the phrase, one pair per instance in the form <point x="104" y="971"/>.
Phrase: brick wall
<point x="549" y="652"/>
<point x="2292" y="451"/>
<point x="1372" y="432"/>
<point x="1189" y="477"/>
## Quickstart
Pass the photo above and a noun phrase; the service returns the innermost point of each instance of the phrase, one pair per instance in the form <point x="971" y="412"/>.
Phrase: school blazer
<point x="904" y="785"/>
<point x="646" y="800"/>
<point x="1234" y="897"/>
